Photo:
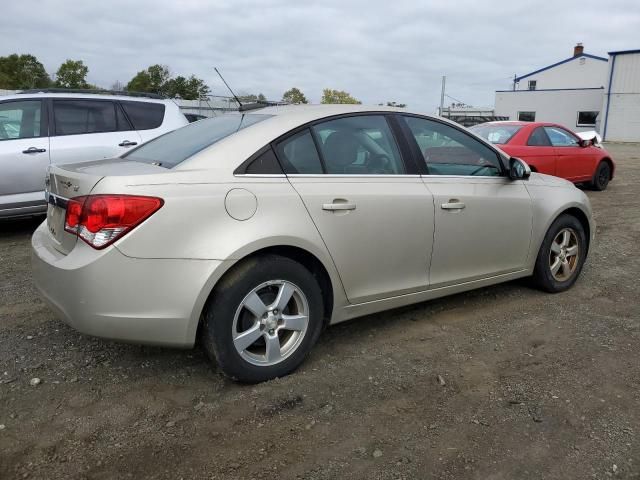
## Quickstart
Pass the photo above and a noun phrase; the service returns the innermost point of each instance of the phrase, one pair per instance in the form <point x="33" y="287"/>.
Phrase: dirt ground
<point x="532" y="385"/>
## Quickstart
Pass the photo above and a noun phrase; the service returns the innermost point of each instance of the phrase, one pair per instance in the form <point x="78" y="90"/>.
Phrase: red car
<point x="552" y="149"/>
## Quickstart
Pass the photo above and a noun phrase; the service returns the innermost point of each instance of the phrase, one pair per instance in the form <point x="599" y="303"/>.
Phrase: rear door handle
<point x="453" y="205"/>
<point x="332" y="207"/>
<point x="34" y="150"/>
<point x="127" y="143"/>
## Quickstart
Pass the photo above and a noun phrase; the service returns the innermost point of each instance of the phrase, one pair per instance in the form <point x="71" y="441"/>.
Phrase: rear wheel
<point x="561" y="255"/>
<point x="263" y="319"/>
<point x="602" y="176"/>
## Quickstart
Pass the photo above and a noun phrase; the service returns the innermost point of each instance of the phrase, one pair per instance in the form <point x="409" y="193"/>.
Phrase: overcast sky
<point x="376" y="50"/>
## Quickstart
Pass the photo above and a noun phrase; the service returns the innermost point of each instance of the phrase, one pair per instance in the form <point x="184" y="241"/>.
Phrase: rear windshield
<point x="175" y="147"/>
<point x="498" y="134"/>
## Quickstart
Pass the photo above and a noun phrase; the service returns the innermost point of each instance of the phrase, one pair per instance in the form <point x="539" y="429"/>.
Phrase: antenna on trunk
<point x="227" y="85"/>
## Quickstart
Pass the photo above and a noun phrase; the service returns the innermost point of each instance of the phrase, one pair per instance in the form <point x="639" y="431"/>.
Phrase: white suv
<point x="52" y="127"/>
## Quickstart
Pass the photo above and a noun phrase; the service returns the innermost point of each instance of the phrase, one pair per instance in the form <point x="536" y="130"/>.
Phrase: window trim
<point x="242" y="168"/>
<point x="571" y="134"/>
<point x="539" y="127"/>
<point x="54" y="129"/>
<point x="44" y="117"/>
<point x="578" y="124"/>
<point x="407" y="163"/>
<point x="419" y="158"/>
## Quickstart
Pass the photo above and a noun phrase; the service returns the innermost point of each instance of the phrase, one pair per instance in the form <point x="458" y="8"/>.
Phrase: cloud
<point x="377" y="50"/>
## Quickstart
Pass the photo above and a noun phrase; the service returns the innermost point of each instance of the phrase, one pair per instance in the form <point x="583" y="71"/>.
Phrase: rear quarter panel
<point x="194" y="222"/>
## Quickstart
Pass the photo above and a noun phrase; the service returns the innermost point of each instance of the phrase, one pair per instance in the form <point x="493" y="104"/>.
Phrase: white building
<point x="620" y="119"/>
<point x="568" y="92"/>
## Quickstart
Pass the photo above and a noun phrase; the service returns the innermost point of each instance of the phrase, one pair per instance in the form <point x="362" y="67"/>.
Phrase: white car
<point x="38" y="129"/>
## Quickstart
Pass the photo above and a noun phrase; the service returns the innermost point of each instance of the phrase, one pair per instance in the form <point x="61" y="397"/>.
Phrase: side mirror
<point x="518" y="169"/>
<point x="584" y="143"/>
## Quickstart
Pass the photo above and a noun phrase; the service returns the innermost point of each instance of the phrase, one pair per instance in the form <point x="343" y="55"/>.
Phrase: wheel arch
<point x="326" y="279"/>
<point x="611" y="166"/>
<point x="582" y="218"/>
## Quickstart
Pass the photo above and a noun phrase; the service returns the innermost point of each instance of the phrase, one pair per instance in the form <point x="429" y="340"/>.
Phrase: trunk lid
<point x="64" y="182"/>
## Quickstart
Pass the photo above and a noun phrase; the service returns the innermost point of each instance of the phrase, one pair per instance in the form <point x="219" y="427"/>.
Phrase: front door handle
<point x="127" y="143"/>
<point x="34" y="150"/>
<point x="453" y="205"/>
<point x="332" y="207"/>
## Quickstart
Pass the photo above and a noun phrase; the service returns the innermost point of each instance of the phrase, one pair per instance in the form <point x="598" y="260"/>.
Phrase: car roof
<point x="518" y="123"/>
<point x="236" y="148"/>
<point x="91" y="96"/>
<point x="316" y="112"/>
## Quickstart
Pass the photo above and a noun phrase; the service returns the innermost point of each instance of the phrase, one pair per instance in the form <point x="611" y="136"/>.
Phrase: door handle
<point x="34" y="150"/>
<point x="332" y="207"/>
<point x="127" y="143"/>
<point x="453" y="205"/>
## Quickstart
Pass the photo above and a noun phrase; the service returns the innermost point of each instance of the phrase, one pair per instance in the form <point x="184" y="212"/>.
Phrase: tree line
<point x="22" y="72"/>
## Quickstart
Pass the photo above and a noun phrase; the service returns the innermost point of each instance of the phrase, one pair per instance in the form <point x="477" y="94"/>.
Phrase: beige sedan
<point x="250" y="232"/>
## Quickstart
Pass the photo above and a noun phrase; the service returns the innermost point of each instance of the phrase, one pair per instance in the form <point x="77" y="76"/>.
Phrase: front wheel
<point x="561" y="256"/>
<point x="263" y="319"/>
<point x="602" y="176"/>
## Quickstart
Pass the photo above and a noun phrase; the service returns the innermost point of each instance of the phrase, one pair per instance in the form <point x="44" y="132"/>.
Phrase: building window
<point x="532" y="84"/>
<point x="587" y="119"/>
<point x="527" y="116"/>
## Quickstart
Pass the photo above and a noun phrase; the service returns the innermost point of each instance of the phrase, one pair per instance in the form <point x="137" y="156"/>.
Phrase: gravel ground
<point x="500" y="383"/>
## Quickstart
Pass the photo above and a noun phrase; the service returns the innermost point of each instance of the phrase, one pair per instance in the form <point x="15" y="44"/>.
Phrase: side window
<point x="359" y="145"/>
<point x="538" y="138"/>
<point x="449" y="151"/>
<point x="121" y="120"/>
<point x="20" y="119"/>
<point x="298" y="154"/>
<point x="560" y="137"/>
<point x="74" y="117"/>
<point x="266" y="164"/>
<point x="144" y="115"/>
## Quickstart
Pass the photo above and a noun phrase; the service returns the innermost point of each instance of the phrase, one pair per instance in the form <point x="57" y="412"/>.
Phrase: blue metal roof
<point x="588" y="55"/>
<point x="622" y="52"/>
<point x="548" y="90"/>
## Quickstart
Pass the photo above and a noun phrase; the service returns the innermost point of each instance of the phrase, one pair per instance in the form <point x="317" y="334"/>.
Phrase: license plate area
<point x="56" y="212"/>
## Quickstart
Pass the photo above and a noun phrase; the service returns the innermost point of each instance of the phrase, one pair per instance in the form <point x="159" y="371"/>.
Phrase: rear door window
<point x="144" y="115"/>
<point x="359" y="145"/>
<point x="298" y="154"/>
<point x="21" y="119"/>
<point x="76" y="117"/>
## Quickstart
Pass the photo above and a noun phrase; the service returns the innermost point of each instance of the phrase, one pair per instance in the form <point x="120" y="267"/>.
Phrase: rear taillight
<point x="100" y="220"/>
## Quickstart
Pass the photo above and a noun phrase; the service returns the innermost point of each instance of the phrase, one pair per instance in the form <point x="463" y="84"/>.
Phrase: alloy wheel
<point x="270" y="322"/>
<point x="564" y="254"/>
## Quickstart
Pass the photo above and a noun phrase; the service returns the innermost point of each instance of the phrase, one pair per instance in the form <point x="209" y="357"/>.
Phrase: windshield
<point x="175" y="147"/>
<point x="496" y="133"/>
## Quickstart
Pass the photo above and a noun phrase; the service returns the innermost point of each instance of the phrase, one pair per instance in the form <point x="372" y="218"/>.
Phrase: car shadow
<point x="19" y="226"/>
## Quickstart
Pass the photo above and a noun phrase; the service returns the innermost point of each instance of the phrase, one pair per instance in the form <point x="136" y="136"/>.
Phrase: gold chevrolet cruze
<point x="249" y="232"/>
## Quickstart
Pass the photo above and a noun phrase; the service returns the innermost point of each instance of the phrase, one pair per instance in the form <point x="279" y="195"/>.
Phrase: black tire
<point x="602" y="176"/>
<point x="542" y="275"/>
<point x="217" y="336"/>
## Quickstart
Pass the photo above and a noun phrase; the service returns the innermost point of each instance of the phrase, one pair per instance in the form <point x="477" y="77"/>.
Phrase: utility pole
<point x="444" y="80"/>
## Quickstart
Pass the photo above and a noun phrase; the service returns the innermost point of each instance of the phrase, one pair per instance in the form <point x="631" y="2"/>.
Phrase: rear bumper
<point x="106" y="294"/>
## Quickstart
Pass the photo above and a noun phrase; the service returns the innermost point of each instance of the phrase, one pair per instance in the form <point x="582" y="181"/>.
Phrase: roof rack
<point x="94" y="92"/>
